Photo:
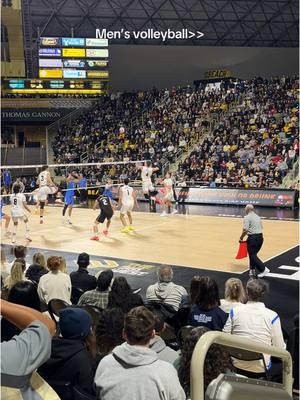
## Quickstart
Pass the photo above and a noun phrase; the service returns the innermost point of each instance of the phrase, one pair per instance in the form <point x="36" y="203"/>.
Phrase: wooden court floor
<point x="184" y="240"/>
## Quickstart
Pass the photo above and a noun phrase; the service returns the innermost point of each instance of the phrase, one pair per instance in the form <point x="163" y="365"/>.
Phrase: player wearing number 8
<point x="106" y="213"/>
<point x="18" y="204"/>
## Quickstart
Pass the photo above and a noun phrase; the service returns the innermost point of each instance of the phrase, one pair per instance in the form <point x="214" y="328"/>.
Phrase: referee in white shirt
<point x="253" y="228"/>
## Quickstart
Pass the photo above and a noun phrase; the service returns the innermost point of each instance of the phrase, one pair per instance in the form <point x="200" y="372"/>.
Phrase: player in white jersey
<point x="46" y="187"/>
<point x="127" y="200"/>
<point x="18" y="207"/>
<point x="168" y="195"/>
<point x="148" y="188"/>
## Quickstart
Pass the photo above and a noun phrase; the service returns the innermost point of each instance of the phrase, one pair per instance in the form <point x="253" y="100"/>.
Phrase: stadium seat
<point x="75" y="294"/>
<point x="231" y="387"/>
<point x="54" y="307"/>
<point x="93" y="311"/>
<point x="245" y="355"/>
<point x="237" y="387"/>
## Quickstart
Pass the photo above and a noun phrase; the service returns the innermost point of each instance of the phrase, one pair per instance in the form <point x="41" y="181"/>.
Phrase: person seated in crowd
<point x="164" y="352"/>
<point x="25" y="294"/>
<point x="55" y="284"/>
<point x="206" y="309"/>
<point x="22" y="355"/>
<point x="81" y="278"/>
<point x="38" y="267"/>
<point x="17" y="273"/>
<point x="63" y="265"/>
<point x="133" y="371"/>
<point x="234" y="294"/>
<point x="121" y="296"/>
<point x="70" y="360"/>
<point x="166" y="291"/>
<point x="98" y="297"/>
<point x="217" y="360"/>
<point x="18" y="252"/>
<point x="256" y="322"/>
<point x="109" y="331"/>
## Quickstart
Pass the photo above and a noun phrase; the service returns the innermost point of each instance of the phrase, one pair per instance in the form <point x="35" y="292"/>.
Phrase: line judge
<point x="252" y="227"/>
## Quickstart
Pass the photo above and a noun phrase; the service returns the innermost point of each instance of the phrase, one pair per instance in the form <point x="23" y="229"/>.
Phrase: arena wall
<point x="135" y="67"/>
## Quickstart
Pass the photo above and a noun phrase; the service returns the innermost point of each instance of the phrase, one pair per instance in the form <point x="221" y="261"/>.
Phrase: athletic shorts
<point x="168" y="196"/>
<point x="103" y="216"/>
<point x="147" y="186"/>
<point x="44" y="191"/>
<point x="127" y="207"/>
<point x="17" y="217"/>
<point x="69" y="201"/>
<point x="2" y="214"/>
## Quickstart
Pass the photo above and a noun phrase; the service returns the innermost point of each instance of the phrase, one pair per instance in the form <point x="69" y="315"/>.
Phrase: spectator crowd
<point x="243" y="133"/>
<point x="65" y="336"/>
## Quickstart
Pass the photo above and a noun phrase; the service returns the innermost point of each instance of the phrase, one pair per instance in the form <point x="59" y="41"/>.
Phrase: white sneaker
<point x="69" y="222"/>
<point x="265" y="272"/>
<point x="163" y="214"/>
<point x="174" y="212"/>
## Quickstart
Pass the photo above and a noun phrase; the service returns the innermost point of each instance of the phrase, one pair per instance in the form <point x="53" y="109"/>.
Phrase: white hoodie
<point x="136" y="373"/>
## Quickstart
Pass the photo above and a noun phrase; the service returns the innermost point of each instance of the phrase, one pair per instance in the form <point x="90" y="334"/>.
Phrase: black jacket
<point x="70" y="361"/>
<point x="34" y="272"/>
<point x="83" y="280"/>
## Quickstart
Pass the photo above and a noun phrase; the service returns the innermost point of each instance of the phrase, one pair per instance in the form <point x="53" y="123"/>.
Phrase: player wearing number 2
<point x="107" y="211"/>
<point x="127" y="200"/>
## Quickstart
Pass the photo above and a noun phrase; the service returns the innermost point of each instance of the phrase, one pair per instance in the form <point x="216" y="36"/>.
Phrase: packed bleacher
<point x="96" y="337"/>
<point x="256" y="141"/>
<point x="253" y="141"/>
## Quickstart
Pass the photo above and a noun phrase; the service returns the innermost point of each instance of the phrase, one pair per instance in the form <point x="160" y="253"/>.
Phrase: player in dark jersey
<point x="106" y="213"/>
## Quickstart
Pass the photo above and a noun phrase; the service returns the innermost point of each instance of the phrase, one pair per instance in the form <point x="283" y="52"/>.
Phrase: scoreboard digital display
<point x="54" y="86"/>
<point x="73" y="58"/>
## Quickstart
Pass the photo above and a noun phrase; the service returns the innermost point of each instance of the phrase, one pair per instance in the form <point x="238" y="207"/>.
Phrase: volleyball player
<point x="106" y="213"/>
<point x="147" y="185"/>
<point x="18" y="204"/>
<point x="127" y="200"/>
<point x="72" y="179"/>
<point x="168" y="195"/>
<point x="46" y="187"/>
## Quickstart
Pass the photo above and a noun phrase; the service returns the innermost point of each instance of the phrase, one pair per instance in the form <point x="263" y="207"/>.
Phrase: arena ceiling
<point x="255" y="23"/>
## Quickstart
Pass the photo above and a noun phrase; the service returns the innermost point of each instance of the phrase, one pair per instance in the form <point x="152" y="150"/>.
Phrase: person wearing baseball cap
<point x="81" y="278"/>
<point x="71" y="360"/>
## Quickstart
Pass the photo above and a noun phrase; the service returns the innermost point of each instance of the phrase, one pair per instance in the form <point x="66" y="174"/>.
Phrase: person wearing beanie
<point x="81" y="278"/>
<point x="71" y="360"/>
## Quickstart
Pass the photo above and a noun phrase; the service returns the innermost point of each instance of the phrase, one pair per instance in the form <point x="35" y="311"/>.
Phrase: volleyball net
<point x="96" y="174"/>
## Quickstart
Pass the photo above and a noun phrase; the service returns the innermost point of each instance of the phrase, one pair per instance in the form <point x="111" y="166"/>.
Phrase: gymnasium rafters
<point x="255" y="23"/>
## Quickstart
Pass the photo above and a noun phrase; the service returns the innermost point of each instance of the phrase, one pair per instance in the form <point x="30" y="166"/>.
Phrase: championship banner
<point x="225" y="196"/>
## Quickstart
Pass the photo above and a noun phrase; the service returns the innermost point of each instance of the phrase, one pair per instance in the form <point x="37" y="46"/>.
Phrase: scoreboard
<point x="54" y="86"/>
<point x="73" y="58"/>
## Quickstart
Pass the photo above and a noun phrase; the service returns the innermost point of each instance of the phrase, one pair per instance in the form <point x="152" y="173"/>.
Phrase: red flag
<point x="242" y="252"/>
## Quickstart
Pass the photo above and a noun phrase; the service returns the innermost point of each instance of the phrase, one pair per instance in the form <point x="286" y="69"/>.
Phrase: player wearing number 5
<point x="127" y="200"/>
<point x="106" y="213"/>
<point x="18" y="204"/>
